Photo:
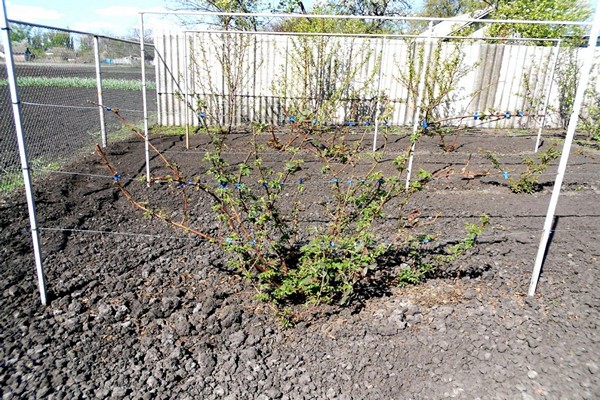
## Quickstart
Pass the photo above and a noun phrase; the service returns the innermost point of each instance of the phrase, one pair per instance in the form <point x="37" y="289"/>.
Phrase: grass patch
<point x="10" y="181"/>
<point x="87" y="83"/>
<point x="170" y="130"/>
<point x="163" y="130"/>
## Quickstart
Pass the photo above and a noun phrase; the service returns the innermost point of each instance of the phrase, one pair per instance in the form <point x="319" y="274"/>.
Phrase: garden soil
<point x="139" y="310"/>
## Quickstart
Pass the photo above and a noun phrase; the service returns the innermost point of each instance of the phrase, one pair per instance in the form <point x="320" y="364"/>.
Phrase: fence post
<point x="16" y="107"/>
<point x="144" y="99"/>
<point x="99" y="85"/>
<point x="420" y="96"/>
<point x="547" y="100"/>
<point x="186" y="96"/>
<point x="588" y="62"/>
<point x="377" y="102"/>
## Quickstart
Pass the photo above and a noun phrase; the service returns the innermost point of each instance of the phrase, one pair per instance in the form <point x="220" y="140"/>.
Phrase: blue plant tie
<point x="351" y="123"/>
<point x="314" y="121"/>
<point x="108" y="108"/>
<point x="265" y="184"/>
<point x="331" y="244"/>
<point x="386" y="123"/>
<point x="362" y="181"/>
<point x="507" y="115"/>
<point x="368" y="123"/>
<point x="300" y="181"/>
<point x="424" y="124"/>
<point x="190" y="182"/>
<point x="238" y="186"/>
<point x="117" y="177"/>
<point x="292" y="118"/>
<point x="475" y="238"/>
<point x="476" y="115"/>
<point x="252" y="242"/>
<point x="381" y="181"/>
<point x="426" y="240"/>
<point x="228" y="240"/>
<point x="181" y="185"/>
<point x="335" y="180"/>
<point x="349" y="182"/>
<point x="505" y="174"/>
<point x="520" y="114"/>
<point x="202" y="114"/>
<point x="223" y="185"/>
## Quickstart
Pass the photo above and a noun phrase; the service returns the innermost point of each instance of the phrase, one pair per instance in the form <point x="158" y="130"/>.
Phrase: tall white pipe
<point x="99" y="86"/>
<point x="144" y="99"/>
<point x="588" y="62"/>
<point x="186" y="95"/>
<point x="547" y="99"/>
<point x="377" y="103"/>
<point x="16" y="107"/>
<point x="420" y="96"/>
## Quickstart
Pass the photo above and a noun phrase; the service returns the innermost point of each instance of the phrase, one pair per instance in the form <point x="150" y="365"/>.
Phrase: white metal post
<point x="144" y="99"/>
<point x="99" y="85"/>
<point x="377" y="103"/>
<point x="588" y="60"/>
<point x="157" y="89"/>
<point x="16" y="107"/>
<point x="548" y="93"/>
<point x="420" y="95"/>
<point x="187" y="89"/>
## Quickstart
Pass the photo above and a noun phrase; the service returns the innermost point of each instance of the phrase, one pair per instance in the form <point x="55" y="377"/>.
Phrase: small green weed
<point x="421" y="265"/>
<point x="13" y="180"/>
<point x="527" y="182"/>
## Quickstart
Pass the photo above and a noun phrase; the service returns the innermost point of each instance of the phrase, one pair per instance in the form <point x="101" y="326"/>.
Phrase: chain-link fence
<point x="58" y="85"/>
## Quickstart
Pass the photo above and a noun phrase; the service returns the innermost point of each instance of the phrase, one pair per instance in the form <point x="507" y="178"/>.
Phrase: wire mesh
<point x="10" y="172"/>
<point x="122" y="83"/>
<point x="57" y="79"/>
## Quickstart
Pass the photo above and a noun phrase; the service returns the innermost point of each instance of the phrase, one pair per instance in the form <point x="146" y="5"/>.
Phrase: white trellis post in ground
<point x="378" y="102"/>
<point x="144" y="99"/>
<point x="588" y="61"/>
<point x="186" y="96"/>
<point x="547" y="99"/>
<point x="99" y="86"/>
<point x="16" y="107"/>
<point x="420" y="96"/>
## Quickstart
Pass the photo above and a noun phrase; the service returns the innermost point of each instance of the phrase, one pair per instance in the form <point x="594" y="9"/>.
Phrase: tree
<point x="134" y="35"/>
<point x="335" y="7"/>
<point x="338" y="7"/>
<point x="58" y="39"/>
<point x="19" y="33"/>
<point x="323" y="25"/>
<point x="542" y="10"/>
<point x="450" y="8"/>
<point x="242" y="6"/>
<point x="377" y="8"/>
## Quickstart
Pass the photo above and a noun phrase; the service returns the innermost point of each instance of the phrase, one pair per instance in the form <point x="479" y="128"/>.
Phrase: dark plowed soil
<point x="139" y="310"/>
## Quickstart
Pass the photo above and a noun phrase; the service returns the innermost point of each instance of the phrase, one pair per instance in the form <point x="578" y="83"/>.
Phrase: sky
<point x="110" y="17"/>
